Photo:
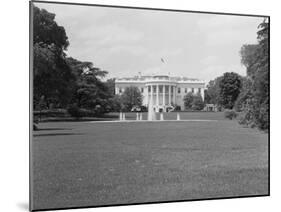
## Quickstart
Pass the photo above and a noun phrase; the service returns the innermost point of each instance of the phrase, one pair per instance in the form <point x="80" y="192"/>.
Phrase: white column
<point x="157" y="95"/>
<point x="164" y="95"/>
<point x="151" y="95"/>
<point x="174" y="94"/>
<point x="146" y="94"/>
<point x="169" y="94"/>
<point x="202" y="93"/>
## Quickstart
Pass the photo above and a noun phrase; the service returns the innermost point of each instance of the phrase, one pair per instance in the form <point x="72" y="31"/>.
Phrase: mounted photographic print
<point x="139" y="105"/>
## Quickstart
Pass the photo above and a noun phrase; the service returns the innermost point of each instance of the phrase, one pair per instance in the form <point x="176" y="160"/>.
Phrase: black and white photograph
<point x="132" y="105"/>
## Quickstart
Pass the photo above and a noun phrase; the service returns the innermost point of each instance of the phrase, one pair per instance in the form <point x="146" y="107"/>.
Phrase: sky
<point x="125" y="42"/>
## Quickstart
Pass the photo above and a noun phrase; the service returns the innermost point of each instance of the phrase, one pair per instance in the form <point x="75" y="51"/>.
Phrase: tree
<point x="131" y="97"/>
<point x="230" y="86"/>
<point x="212" y="93"/>
<point x="193" y="101"/>
<point x="64" y="81"/>
<point x="245" y="94"/>
<point x="188" y="100"/>
<point x="111" y="86"/>
<point x="256" y="60"/>
<point x="248" y="57"/>
<point x="197" y="102"/>
<point x="90" y="92"/>
<point x="116" y="103"/>
<point x="52" y="76"/>
<point x="47" y="32"/>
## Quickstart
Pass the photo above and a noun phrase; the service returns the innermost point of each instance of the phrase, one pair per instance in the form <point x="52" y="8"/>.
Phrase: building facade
<point x="162" y="91"/>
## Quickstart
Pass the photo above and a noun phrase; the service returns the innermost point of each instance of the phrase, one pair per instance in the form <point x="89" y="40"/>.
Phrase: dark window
<point x="149" y="89"/>
<point x="120" y="90"/>
<point x="166" y="89"/>
<point x="179" y="90"/>
<point x="160" y="88"/>
<point x="142" y="90"/>
<point x="185" y="90"/>
<point x="199" y="90"/>
<point x="192" y="90"/>
<point x="154" y="89"/>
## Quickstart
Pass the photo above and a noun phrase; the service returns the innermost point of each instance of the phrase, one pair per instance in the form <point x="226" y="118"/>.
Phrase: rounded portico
<point x="160" y="92"/>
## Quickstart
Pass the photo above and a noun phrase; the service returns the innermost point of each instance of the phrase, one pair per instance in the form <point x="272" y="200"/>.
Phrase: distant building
<point x="163" y="91"/>
<point x="210" y="108"/>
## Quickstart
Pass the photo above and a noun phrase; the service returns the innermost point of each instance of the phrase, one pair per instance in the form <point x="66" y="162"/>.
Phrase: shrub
<point x="177" y="108"/>
<point x="230" y="114"/>
<point x="188" y="99"/>
<point x="74" y="111"/>
<point x="51" y="113"/>
<point x="35" y="127"/>
<point x="197" y="103"/>
<point x="144" y="109"/>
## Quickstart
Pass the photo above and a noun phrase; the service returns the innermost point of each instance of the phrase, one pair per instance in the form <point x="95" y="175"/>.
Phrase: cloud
<point x="212" y="71"/>
<point x="115" y="34"/>
<point x="131" y="49"/>
<point x="226" y="30"/>
<point x="208" y="60"/>
<point x="125" y="41"/>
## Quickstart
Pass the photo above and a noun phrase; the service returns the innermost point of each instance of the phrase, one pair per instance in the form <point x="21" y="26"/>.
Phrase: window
<point x="199" y="90"/>
<point x="142" y="90"/>
<point x="166" y="89"/>
<point x="154" y="89"/>
<point x="185" y="90"/>
<point x="179" y="90"/>
<point x="192" y="90"/>
<point x="149" y="89"/>
<point x="120" y="90"/>
<point x="160" y="88"/>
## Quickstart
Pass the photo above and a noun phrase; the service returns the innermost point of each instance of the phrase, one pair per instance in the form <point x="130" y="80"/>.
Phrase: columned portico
<point x="160" y="95"/>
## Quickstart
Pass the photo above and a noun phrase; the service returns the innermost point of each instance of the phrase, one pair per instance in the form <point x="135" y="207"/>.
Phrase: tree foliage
<point x="193" y="101"/>
<point x="197" y="103"/>
<point x="47" y="32"/>
<point x="60" y="80"/>
<point x="245" y="94"/>
<point x="53" y="78"/>
<point x="188" y="100"/>
<point x="131" y="97"/>
<point x="230" y="86"/>
<point x="212" y="94"/>
<point x="256" y="60"/>
<point x="89" y="92"/>
<point x="110" y="83"/>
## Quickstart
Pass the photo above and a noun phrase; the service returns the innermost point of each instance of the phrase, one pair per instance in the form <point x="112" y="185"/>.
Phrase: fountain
<point x="151" y="116"/>
<point x="161" y="116"/>
<point x="178" y="117"/>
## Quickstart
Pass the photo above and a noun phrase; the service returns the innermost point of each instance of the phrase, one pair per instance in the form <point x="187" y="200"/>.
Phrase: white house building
<point x="163" y="91"/>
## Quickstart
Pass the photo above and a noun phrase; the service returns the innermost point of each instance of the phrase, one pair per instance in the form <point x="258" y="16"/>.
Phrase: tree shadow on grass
<point x="50" y="129"/>
<point x="56" y="134"/>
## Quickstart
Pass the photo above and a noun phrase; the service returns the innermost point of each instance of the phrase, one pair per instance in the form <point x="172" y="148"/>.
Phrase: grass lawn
<point x="90" y="164"/>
